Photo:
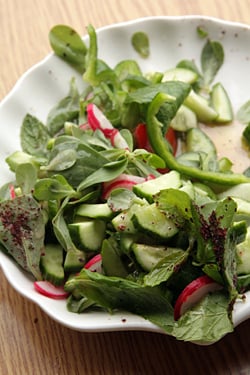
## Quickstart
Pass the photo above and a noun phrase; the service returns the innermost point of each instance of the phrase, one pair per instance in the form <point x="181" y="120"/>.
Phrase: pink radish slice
<point x="125" y="181"/>
<point x="12" y="192"/>
<point x="94" y="264"/>
<point x="193" y="293"/>
<point x="49" y="290"/>
<point x="97" y="120"/>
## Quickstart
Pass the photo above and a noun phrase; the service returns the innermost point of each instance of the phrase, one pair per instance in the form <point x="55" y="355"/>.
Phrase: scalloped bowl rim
<point x="22" y="282"/>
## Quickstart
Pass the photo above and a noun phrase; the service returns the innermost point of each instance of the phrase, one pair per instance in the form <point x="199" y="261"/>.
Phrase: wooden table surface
<point x="30" y="341"/>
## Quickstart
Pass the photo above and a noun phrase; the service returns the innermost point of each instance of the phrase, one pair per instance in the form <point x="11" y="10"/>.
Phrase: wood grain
<point x="30" y="341"/>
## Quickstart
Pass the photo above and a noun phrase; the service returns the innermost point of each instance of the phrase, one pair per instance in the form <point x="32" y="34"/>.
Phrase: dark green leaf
<point x="113" y="292"/>
<point x="106" y="173"/>
<point x="166" y="267"/>
<point x="34" y="136"/>
<point x="22" y="231"/>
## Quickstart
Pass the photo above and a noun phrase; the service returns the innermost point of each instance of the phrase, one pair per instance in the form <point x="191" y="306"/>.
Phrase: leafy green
<point x="114" y="293"/>
<point x="212" y="58"/>
<point x="67" y="109"/>
<point x="67" y="44"/>
<point x="22" y="230"/>
<point x="140" y="42"/>
<point x="207" y="322"/>
<point x="34" y="136"/>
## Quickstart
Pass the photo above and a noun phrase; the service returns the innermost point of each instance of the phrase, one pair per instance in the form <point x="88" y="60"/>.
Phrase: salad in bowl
<point x="125" y="201"/>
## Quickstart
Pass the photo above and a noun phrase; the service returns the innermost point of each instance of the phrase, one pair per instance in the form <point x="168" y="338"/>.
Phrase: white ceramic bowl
<point x="171" y="39"/>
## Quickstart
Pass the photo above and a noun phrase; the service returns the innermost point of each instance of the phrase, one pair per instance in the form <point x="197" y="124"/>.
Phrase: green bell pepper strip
<point x="160" y="146"/>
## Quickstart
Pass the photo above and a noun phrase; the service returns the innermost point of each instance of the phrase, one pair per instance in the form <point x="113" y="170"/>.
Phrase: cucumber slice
<point x="51" y="264"/>
<point x="74" y="261"/>
<point x="95" y="211"/>
<point x="180" y="74"/>
<point x="243" y="255"/>
<point x="184" y="119"/>
<point x="239" y="191"/>
<point x="88" y="234"/>
<point x="198" y="141"/>
<point x="205" y="113"/>
<point x="123" y="221"/>
<point x="148" y="256"/>
<point x="221" y="103"/>
<point x="150" y="188"/>
<point x="154" y="222"/>
<point x="191" y="159"/>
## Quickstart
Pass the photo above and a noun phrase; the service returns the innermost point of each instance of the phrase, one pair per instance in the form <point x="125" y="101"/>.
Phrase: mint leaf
<point x="207" y="322"/>
<point x="166" y="267"/>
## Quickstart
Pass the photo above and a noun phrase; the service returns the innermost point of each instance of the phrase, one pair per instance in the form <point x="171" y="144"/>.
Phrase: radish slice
<point x="95" y="264"/>
<point x="12" y="192"/>
<point x="125" y="181"/>
<point x="97" y="120"/>
<point x="50" y="290"/>
<point x="193" y="293"/>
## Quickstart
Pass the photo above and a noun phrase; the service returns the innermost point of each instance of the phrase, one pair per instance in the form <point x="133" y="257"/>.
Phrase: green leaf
<point x="212" y="58"/>
<point x="63" y="160"/>
<point x="175" y="90"/>
<point x="108" y="172"/>
<point x="67" y="109"/>
<point x="140" y="42"/>
<point x="22" y="231"/>
<point x="201" y="31"/>
<point x="120" y="199"/>
<point x="61" y="229"/>
<point x="34" y="136"/>
<point x="26" y="176"/>
<point x="53" y="188"/>
<point x="176" y="203"/>
<point x="113" y="292"/>
<point x="207" y="322"/>
<point x="68" y="45"/>
<point x="166" y="267"/>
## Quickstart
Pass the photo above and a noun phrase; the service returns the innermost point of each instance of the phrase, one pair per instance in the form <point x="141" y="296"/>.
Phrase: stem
<point x="161" y="148"/>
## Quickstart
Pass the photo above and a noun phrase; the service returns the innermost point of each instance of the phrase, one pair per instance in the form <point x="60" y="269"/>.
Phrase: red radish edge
<point x="193" y="293"/>
<point x="12" y="192"/>
<point x="49" y="290"/>
<point x="94" y="264"/>
<point x="123" y="181"/>
<point x="97" y="120"/>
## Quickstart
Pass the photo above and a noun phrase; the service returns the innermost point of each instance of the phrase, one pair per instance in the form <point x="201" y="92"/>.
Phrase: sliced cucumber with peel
<point x="88" y="234"/>
<point x="180" y="74"/>
<point x="148" y="256"/>
<point x="205" y="113"/>
<point x="154" y="222"/>
<point x="149" y="188"/>
<point x="184" y="119"/>
<point x="221" y="103"/>
<point x="198" y="141"/>
<point x="51" y="264"/>
<point x="95" y="211"/>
